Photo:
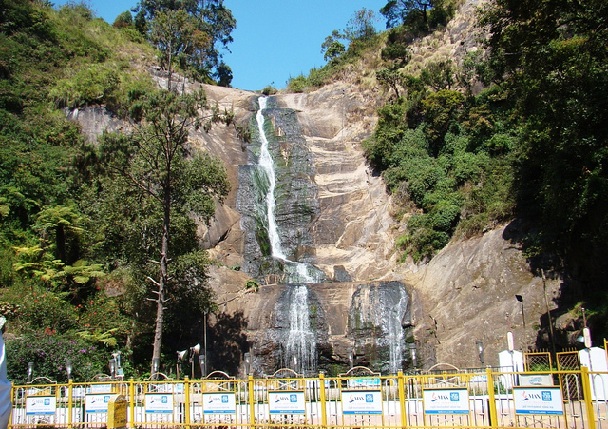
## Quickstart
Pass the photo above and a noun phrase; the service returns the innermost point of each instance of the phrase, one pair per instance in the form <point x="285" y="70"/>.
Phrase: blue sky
<point x="274" y="39"/>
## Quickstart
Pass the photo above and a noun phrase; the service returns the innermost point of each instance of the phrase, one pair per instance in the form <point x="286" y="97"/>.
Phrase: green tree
<point x="177" y="37"/>
<point x="211" y="17"/>
<point x="332" y="48"/>
<point x="159" y="164"/>
<point x="552" y="58"/>
<point x="361" y="25"/>
<point x="123" y="20"/>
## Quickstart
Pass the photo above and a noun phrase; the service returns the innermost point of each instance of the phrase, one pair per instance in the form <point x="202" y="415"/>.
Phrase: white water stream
<point x="300" y="346"/>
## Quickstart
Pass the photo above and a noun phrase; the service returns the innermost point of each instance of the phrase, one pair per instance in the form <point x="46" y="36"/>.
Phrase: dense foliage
<point x="78" y="240"/>
<point x="516" y="130"/>
<point x="202" y="29"/>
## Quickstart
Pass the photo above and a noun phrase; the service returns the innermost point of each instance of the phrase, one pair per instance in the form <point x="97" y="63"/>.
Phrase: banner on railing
<point x="446" y="401"/>
<point x="538" y="400"/>
<point x="40" y="405"/>
<point x="286" y="402"/>
<point x="219" y="403"/>
<point x="362" y="402"/>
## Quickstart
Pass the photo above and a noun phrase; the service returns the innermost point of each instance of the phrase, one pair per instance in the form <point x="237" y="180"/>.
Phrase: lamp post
<point x="520" y="299"/>
<point x="112" y="366"/>
<point x="68" y="369"/>
<point x="155" y="368"/>
<point x="480" y="350"/>
<point x="203" y="365"/>
<point x="30" y="371"/>
<point x="247" y="360"/>
<point x="412" y="348"/>
<point x="204" y="370"/>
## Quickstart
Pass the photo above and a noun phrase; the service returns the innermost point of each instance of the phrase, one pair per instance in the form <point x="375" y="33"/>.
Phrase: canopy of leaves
<point x="209" y="23"/>
<point x="77" y="241"/>
<point x="551" y="59"/>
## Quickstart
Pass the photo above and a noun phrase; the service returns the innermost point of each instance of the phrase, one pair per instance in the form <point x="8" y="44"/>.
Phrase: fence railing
<point x="485" y="399"/>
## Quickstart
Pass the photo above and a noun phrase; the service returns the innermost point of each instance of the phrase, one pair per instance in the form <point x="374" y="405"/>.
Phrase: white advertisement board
<point x="40" y="405"/>
<point x="97" y="403"/>
<point x="538" y="400"/>
<point x="361" y="402"/>
<point x="219" y="403"/>
<point x="286" y="402"/>
<point x="158" y="403"/>
<point x="446" y="401"/>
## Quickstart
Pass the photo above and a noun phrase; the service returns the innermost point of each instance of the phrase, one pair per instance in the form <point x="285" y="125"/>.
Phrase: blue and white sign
<point x="538" y="400"/>
<point x="96" y="403"/>
<point x="361" y="402"/>
<point x="446" y="401"/>
<point x="40" y="405"/>
<point x="219" y="403"/>
<point x="286" y="402"/>
<point x="367" y="382"/>
<point x="158" y="403"/>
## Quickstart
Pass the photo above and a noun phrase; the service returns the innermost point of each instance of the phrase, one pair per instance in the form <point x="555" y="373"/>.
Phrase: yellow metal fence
<point x="487" y="399"/>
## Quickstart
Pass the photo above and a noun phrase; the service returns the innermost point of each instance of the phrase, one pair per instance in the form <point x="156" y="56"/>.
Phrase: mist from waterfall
<point x="300" y="345"/>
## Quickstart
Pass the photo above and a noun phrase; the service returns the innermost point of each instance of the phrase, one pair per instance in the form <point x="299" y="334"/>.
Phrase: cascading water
<point x="300" y="345"/>
<point x="266" y="164"/>
<point x="396" y="335"/>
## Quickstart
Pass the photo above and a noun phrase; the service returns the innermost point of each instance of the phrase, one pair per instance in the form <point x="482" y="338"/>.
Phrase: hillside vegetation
<point x="516" y="128"/>
<point x="84" y="233"/>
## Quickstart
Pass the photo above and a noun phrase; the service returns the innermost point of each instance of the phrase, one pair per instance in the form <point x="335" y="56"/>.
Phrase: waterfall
<point x="300" y="345"/>
<point x="396" y="335"/>
<point x="300" y="352"/>
<point x="266" y="163"/>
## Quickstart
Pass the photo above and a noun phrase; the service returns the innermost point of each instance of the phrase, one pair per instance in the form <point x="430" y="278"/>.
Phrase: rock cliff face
<point x="466" y="293"/>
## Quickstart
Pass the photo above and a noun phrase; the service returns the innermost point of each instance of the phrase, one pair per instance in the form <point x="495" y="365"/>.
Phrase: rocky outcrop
<point x="466" y="293"/>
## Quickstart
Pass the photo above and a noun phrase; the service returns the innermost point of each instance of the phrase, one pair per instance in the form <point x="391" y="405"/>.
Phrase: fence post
<point x="322" y="399"/>
<point x="70" y="403"/>
<point x="402" y="398"/>
<point x="251" y="401"/>
<point x="492" y="412"/>
<point x="132" y="402"/>
<point x="588" y="395"/>
<point x="187" y="401"/>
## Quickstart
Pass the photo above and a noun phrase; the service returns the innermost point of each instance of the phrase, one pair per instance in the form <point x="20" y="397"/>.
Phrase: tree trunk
<point x="164" y="260"/>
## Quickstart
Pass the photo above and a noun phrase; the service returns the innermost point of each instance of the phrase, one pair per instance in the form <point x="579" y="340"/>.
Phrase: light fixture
<point x="202" y="364"/>
<point x="520" y="299"/>
<point x="412" y="348"/>
<point x="247" y="360"/>
<point x="68" y="369"/>
<point x="116" y="356"/>
<point x="480" y="350"/>
<point x="30" y="371"/>
<point x="112" y="367"/>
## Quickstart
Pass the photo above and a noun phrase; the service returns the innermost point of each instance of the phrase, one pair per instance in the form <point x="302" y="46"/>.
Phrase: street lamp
<point x="247" y="359"/>
<point x="30" y="371"/>
<point x="520" y="299"/>
<point x="203" y="365"/>
<point x="68" y="369"/>
<point x="112" y="366"/>
<point x="412" y="348"/>
<point x="155" y="367"/>
<point x="479" y="344"/>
